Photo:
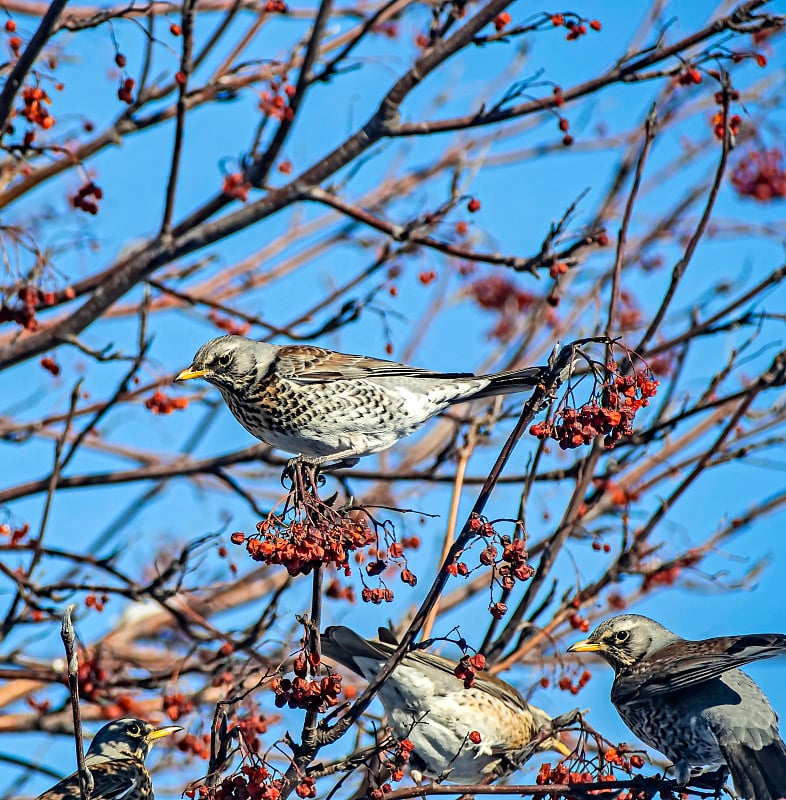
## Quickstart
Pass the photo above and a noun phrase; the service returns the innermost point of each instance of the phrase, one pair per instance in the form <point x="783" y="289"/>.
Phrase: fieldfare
<point x="116" y="760"/>
<point x="332" y="407"/>
<point x="459" y="734"/>
<point x="688" y="700"/>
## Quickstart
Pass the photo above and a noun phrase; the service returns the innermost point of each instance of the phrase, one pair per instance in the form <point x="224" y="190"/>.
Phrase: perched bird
<point x="116" y="760"/>
<point x="332" y="407"/>
<point x="688" y="700"/>
<point x="426" y="703"/>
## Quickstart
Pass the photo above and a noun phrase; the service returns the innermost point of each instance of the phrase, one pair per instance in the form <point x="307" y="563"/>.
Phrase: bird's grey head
<point x="126" y="738"/>
<point x="625" y="640"/>
<point x="230" y="362"/>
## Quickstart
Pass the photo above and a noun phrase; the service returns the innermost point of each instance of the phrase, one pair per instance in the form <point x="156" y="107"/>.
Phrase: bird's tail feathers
<point x="516" y="380"/>
<point x="343" y="645"/>
<point x="757" y="774"/>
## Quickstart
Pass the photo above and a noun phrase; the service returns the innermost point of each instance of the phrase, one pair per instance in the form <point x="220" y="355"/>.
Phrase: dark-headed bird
<point x="689" y="700"/>
<point x="116" y="760"/>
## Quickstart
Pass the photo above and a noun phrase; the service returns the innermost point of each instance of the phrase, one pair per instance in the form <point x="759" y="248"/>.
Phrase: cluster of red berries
<point x="621" y="397"/>
<point x="376" y="595"/>
<point x="495" y="292"/>
<point x="176" y="705"/>
<point x="17" y="535"/>
<point x="194" y="745"/>
<point x="318" y="694"/>
<point x="251" y="727"/>
<point x="91" y="676"/>
<point x="303" y="544"/>
<point x="735" y="121"/>
<point x="276" y="7"/>
<point x="668" y="573"/>
<point x="229" y="325"/>
<point x="122" y="705"/>
<point x="275" y="103"/>
<point x="561" y="774"/>
<point x="467" y="667"/>
<point x="761" y="176"/>
<point x="87" y="197"/>
<point x="688" y="76"/>
<point x="306" y="788"/>
<point x="236" y="186"/>
<point x="394" y="765"/>
<point x="251" y="783"/>
<point x="566" y="684"/>
<point x="24" y="314"/>
<point x="575" y="25"/>
<point x="160" y="403"/>
<point x="508" y="568"/>
<point x="335" y="590"/>
<point x="126" y="90"/>
<point x="35" y="108"/>
<point x="96" y="601"/>
<point x="617" y="756"/>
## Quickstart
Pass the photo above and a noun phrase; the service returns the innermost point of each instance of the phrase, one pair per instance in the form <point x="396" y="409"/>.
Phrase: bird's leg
<point x="681" y="772"/>
<point x="714" y="780"/>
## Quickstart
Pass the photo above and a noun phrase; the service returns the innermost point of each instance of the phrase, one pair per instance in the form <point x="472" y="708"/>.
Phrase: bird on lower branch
<point x="689" y="700"/>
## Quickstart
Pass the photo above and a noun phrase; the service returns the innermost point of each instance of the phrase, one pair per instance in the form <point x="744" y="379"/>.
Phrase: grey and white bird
<point x="116" y="760"/>
<point x="426" y="703"/>
<point x="334" y="407"/>
<point x="688" y="700"/>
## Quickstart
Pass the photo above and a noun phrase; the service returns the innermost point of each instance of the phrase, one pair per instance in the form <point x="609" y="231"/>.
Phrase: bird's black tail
<point x="515" y="380"/>
<point x="757" y="774"/>
<point x="343" y="645"/>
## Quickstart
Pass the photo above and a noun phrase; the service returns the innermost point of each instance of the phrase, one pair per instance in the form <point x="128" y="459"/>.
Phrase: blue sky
<point x="520" y="197"/>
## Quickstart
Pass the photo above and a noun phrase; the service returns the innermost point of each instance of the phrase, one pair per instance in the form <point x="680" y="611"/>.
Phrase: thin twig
<point x="68" y="636"/>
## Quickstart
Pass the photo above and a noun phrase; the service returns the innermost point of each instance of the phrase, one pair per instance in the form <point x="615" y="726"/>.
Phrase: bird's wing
<point x="112" y="780"/>
<point x="307" y="364"/>
<point x="483" y="680"/>
<point x="686" y="663"/>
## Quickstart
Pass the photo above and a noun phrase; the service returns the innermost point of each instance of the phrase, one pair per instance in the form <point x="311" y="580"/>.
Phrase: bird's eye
<point x="621" y="636"/>
<point x="224" y="359"/>
<point x="134" y="729"/>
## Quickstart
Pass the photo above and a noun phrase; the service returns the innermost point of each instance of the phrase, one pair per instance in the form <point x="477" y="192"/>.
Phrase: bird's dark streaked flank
<point x="426" y="703"/>
<point x="688" y="700"/>
<point x="116" y="760"/>
<point x="333" y="407"/>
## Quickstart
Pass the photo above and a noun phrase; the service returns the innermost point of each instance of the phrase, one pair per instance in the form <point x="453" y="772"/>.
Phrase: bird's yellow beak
<point x="585" y="646"/>
<point x="160" y="733"/>
<point x="189" y="373"/>
<point x="556" y="745"/>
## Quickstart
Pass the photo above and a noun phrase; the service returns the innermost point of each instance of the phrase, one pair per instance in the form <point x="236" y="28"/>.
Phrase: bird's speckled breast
<point x="319" y="419"/>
